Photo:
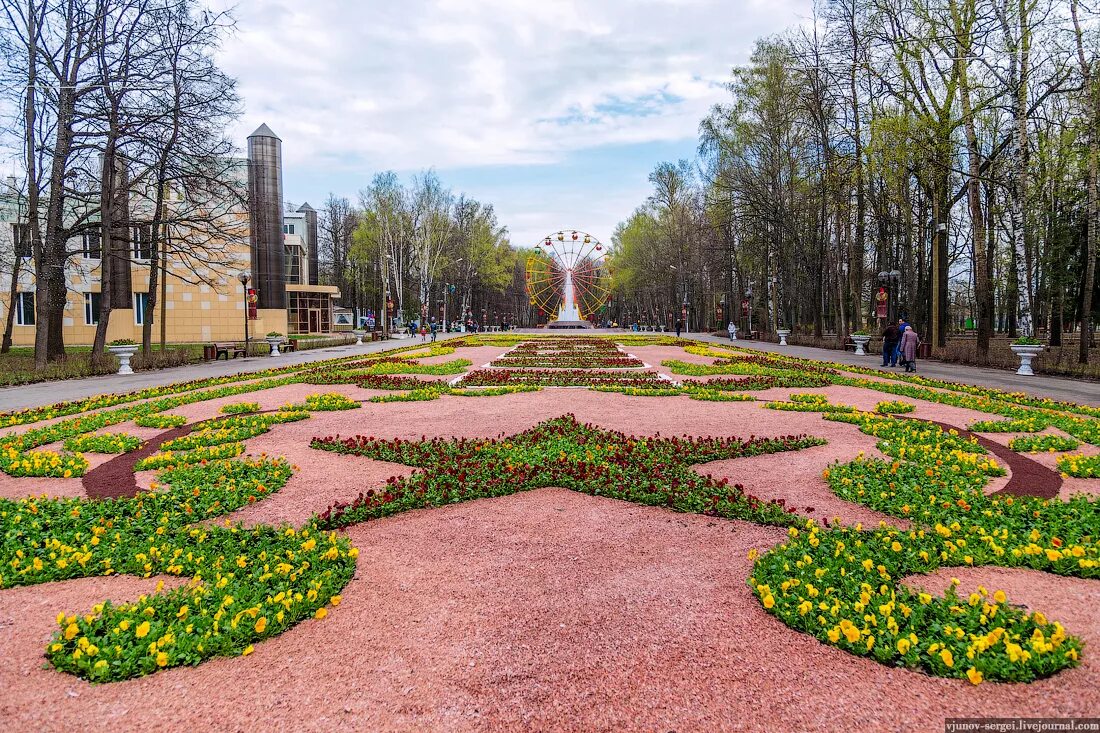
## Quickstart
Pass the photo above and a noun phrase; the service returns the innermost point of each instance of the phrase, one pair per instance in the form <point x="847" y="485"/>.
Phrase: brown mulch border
<point x="1028" y="476"/>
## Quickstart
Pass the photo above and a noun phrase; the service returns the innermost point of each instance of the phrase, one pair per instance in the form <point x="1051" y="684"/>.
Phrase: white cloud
<point x="448" y="83"/>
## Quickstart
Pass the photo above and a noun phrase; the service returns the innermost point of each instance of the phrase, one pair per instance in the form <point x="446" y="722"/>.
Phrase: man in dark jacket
<point x="890" y="338"/>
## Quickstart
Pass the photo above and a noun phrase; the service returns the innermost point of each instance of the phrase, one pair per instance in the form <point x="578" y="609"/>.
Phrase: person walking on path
<point x="679" y="325"/>
<point x="433" y="331"/>
<point x="902" y="325"/>
<point x="890" y="338"/>
<point x="909" y="343"/>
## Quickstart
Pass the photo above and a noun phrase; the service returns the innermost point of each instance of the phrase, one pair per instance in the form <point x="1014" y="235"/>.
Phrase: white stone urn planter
<point x="124" y="352"/>
<point x="783" y="333"/>
<point x="1026" y="352"/>
<point x="274" y="342"/>
<point x="359" y="337"/>
<point x="861" y="344"/>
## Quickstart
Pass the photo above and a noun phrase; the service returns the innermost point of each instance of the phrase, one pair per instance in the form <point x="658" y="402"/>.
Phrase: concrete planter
<point x="359" y="337"/>
<point x="274" y="344"/>
<point x="1026" y="353"/>
<point x="124" y="354"/>
<point x="783" y="333"/>
<point x="861" y="344"/>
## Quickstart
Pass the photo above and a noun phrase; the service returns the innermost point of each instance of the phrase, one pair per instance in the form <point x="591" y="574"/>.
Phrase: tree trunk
<point x="1093" y="113"/>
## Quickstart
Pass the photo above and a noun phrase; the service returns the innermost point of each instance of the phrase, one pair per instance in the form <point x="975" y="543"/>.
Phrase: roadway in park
<point x="46" y="393"/>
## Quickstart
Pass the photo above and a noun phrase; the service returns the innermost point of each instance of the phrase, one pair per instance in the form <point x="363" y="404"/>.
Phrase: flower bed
<point x="240" y="408"/>
<point x="328" y="402"/>
<point x="255" y="583"/>
<point x="1079" y="466"/>
<point x="103" y="443"/>
<point x="841" y="585"/>
<point x="1043" y="444"/>
<point x="565" y="453"/>
<point x="166" y="459"/>
<point x="558" y="378"/>
<point x="542" y="361"/>
<point x="160" y="421"/>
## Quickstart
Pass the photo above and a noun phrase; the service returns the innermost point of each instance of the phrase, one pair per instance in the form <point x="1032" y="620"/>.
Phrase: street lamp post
<point x="748" y="297"/>
<point x="244" y="277"/>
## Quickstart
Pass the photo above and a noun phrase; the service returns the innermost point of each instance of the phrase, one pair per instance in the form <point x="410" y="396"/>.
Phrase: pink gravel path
<point x="544" y="611"/>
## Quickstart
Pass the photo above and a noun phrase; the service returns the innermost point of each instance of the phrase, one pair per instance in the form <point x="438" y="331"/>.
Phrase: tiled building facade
<point x="203" y="303"/>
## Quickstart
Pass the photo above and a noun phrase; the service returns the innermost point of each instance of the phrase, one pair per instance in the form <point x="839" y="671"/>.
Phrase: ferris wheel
<point x="568" y="277"/>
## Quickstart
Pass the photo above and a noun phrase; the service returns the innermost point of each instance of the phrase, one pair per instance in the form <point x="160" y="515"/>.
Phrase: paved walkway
<point x="48" y="393"/>
<point x="1058" y="388"/>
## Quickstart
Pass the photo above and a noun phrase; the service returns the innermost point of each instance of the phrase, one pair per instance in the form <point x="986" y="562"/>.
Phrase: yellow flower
<point x="335" y="600"/>
<point x="947" y="658"/>
<point x="974" y="676"/>
<point x="162" y="659"/>
<point x="999" y="596"/>
<point x="142" y="629"/>
<point x="320" y="613"/>
<point x="261" y="624"/>
<point x="247" y="650"/>
<point x="70" y="631"/>
<point x="903" y="646"/>
<point x="769" y="601"/>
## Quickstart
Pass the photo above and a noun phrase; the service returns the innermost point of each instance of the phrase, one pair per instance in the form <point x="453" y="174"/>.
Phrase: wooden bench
<point x="227" y="348"/>
<point x="289" y="345"/>
<point x="849" y="344"/>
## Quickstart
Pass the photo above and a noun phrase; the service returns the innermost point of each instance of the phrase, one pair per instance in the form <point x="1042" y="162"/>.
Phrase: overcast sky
<point x="555" y="111"/>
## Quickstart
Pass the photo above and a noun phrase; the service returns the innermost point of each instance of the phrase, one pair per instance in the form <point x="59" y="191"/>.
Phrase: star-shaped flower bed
<point x="561" y="453"/>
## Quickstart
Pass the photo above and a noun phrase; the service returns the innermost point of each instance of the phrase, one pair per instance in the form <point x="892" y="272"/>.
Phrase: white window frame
<point x="20" y="308"/>
<point x="140" y="308"/>
<point x="91" y="313"/>
<point x="135" y="245"/>
<point x="84" y="250"/>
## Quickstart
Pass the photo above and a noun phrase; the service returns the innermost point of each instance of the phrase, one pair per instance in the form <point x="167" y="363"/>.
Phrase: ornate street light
<point x="244" y="277"/>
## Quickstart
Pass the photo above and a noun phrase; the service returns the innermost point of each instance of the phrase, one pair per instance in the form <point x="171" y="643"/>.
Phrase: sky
<point x="554" y="111"/>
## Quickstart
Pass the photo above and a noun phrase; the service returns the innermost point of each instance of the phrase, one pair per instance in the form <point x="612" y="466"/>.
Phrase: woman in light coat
<point x="908" y="347"/>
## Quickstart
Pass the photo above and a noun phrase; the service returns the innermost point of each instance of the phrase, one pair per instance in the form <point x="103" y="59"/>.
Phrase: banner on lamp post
<point x="882" y="300"/>
<point x="252" y="300"/>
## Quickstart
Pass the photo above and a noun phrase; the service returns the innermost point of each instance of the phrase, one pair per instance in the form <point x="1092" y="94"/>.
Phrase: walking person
<point x="433" y="330"/>
<point x="890" y="338"/>
<point x="679" y="326"/>
<point x="902" y="325"/>
<point x="909" y="343"/>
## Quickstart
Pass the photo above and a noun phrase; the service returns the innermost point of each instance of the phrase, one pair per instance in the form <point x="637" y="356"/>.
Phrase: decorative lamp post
<point x="748" y="307"/>
<point x="244" y="277"/>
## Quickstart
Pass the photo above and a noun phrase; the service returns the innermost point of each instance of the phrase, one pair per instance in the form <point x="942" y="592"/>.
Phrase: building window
<point x="288" y="228"/>
<point x="21" y="236"/>
<point x="91" y="247"/>
<point x="293" y="264"/>
<point x="309" y="312"/>
<point x="141" y="304"/>
<point x="24" y="309"/>
<point x="91" y="309"/>
<point x="141" y="241"/>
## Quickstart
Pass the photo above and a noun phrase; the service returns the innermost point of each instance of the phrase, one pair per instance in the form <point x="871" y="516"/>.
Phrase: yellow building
<point x="204" y="299"/>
